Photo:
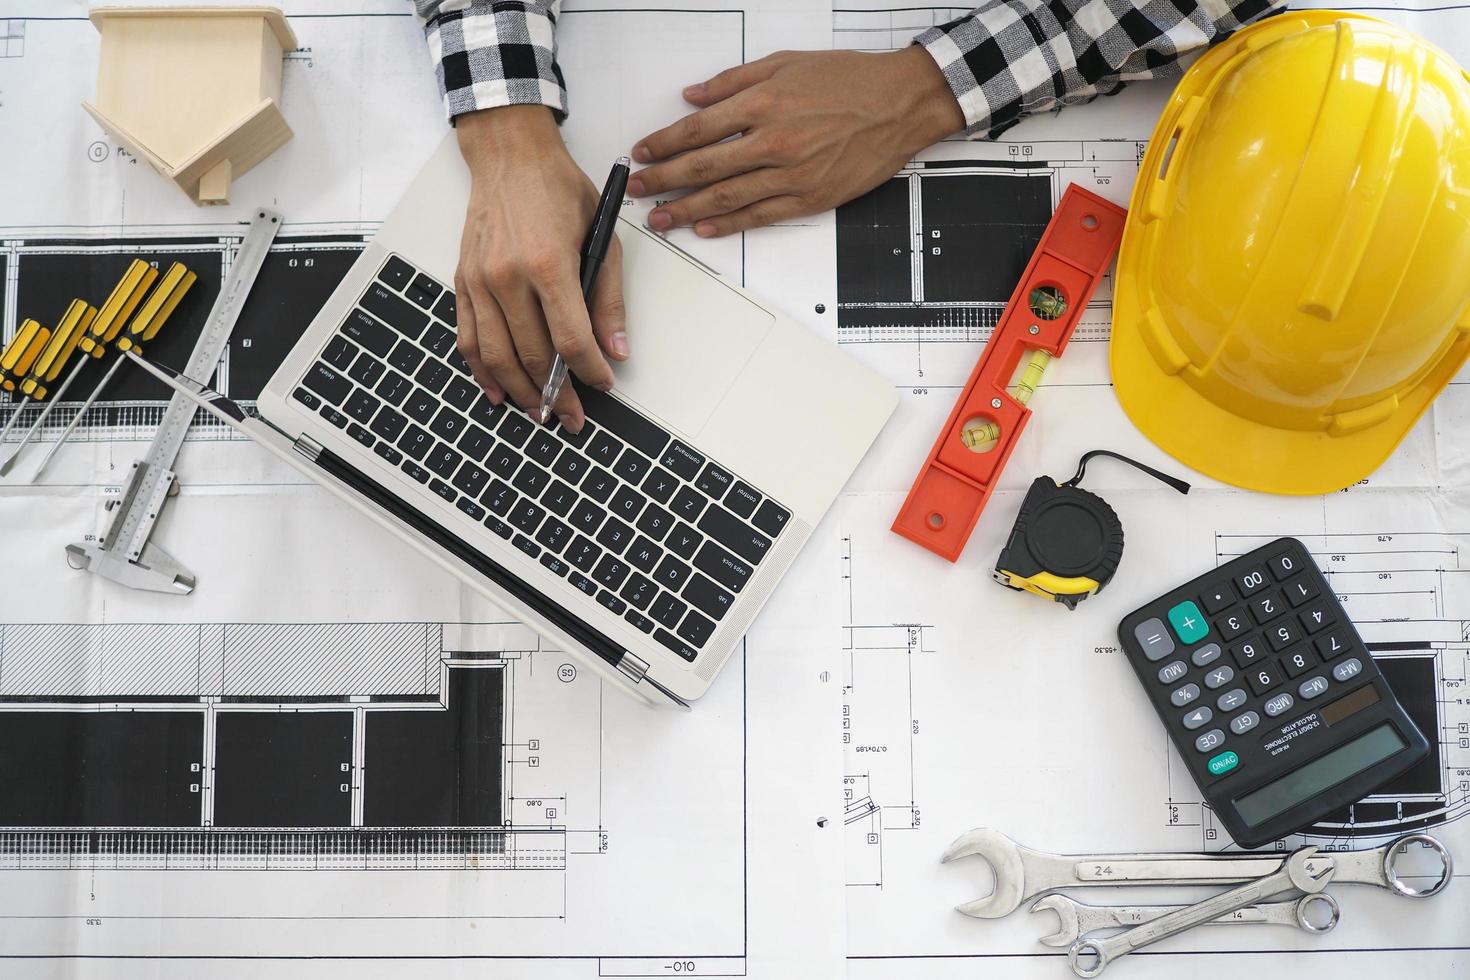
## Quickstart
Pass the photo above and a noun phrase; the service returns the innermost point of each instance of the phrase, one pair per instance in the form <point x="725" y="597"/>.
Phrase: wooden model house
<point x="195" y="91"/>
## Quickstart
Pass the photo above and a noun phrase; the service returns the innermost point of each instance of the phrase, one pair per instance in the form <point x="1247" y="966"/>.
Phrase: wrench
<point x="1022" y="873"/>
<point x="1078" y="919"/>
<point x="1295" y="873"/>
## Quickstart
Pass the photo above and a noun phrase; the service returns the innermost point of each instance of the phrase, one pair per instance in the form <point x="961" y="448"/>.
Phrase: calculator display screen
<point x="1302" y="784"/>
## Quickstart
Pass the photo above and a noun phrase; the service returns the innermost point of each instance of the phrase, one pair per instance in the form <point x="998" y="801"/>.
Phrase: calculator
<point x="1269" y="694"/>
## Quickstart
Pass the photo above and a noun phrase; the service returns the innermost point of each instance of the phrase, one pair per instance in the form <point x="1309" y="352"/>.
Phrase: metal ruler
<point x="125" y="555"/>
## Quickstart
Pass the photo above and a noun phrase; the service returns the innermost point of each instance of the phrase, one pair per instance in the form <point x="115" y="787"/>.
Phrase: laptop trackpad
<point x="689" y="334"/>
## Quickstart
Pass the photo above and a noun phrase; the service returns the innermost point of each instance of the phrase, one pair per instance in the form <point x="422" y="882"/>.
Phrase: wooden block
<point x="214" y="186"/>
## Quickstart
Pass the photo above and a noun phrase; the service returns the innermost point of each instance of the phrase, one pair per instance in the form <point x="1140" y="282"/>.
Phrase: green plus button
<point x="1223" y="763"/>
<point x="1188" y="622"/>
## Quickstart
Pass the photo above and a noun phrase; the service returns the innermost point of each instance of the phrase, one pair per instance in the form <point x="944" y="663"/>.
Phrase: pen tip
<point x="624" y="162"/>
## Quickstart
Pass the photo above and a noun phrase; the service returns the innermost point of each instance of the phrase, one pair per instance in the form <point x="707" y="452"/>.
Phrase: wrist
<point x="507" y="132"/>
<point x="929" y="102"/>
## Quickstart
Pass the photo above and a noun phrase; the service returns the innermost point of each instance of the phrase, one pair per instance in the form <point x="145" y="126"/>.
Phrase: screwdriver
<point x="149" y="320"/>
<point x="47" y="368"/>
<point x="21" y="353"/>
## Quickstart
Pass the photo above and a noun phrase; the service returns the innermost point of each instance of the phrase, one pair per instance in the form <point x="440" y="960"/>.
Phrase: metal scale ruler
<point x="126" y="555"/>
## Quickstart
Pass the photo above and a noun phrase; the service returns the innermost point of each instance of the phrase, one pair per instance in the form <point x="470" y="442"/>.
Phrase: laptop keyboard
<point x="637" y="521"/>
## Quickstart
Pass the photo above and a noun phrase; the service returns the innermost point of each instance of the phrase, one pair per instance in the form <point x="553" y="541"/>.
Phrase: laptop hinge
<point x="632" y="666"/>
<point x="308" y="447"/>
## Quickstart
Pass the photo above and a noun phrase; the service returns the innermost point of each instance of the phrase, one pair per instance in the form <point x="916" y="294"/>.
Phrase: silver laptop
<point x="647" y="543"/>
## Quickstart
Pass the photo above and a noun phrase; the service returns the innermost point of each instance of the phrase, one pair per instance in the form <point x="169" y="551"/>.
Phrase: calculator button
<point x="1184" y="695"/>
<point x="1285" y="565"/>
<point x="1301" y="589"/>
<point x="1219" y="677"/>
<point x="1188" y="622"/>
<point x="1251" y="581"/>
<point x="1267" y="607"/>
<point x="1218" y="598"/>
<point x="1317" y="617"/>
<point x="1232" y="625"/>
<point x="1332" y="644"/>
<point x="1280" y="704"/>
<point x="1221" y="764"/>
<point x="1282" y="636"/>
<point x="1263" y="677"/>
<point x="1311" y="687"/>
<point x="1298" y="662"/>
<point x="1154" y="638"/>
<point x="1172" y="671"/>
<point x="1205" y="655"/>
<point x="1247" y="651"/>
<point x="1231" y="699"/>
<point x="1198" y="718"/>
<point x="1243" y="723"/>
<point x="1210" y="740"/>
<point x="1348" y="669"/>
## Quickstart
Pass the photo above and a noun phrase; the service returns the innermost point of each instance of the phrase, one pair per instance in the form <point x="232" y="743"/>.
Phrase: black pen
<point x="594" y="253"/>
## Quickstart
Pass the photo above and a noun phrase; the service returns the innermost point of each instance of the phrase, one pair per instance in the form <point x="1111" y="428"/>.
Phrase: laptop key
<point x="333" y="416"/>
<point x="586" y="516"/>
<point x="531" y="479"/>
<point x="660" y="485"/>
<point x="682" y="460"/>
<point x="526" y="515"/>
<point x="471" y="480"/>
<point x="326" y="382"/>
<point x="543" y="447"/>
<point x="394" y="310"/>
<point x="599" y="484"/>
<point x="474" y="510"/>
<point x="554" y="534"/>
<point x="671" y="573"/>
<point x="644" y="554"/>
<point x="361" y="406"/>
<point x="516" y="429"/>
<point x="527" y="545"/>
<point x="416" y="471"/>
<point x="423" y="286"/>
<point x="714" y="481"/>
<point x="443" y="460"/>
<point x="462" y="393"/>
<point x="393" y="456"/>
<point x="476" y="442"/>
<point x="389" y="424"/>
<point x="626" y="503"/>
<point x="667" y="610"/>
<point x="434" y="375"/>
<point x="614" y="535"/>
<point x="604" y="449"/>
<point x="499" y="527"/>
<point x="484" y="411"/>
<point x="416" y="442"/>
<point x="610" y="572"/>
<point x="675" y="644"/>
<point x="439" y="340"/>
<point x="742" y="499"/>
<point x="722" y="566"/>
<point x="406" y="357"/>
<point x="499" y="497"/>
<point x="503" y="460"/>
<point x="655" y="522"/>
<point x="611" y="601"/>
<point x="368" y="332"/>
<point x="306" y="398"/>
<point x="457" y="363"/>
<point x="394" y="388"/>
<point x="448" y="424"/>
<point x="559" y="498"/>
<point x="639" y="620"/>
<point x="688" y="504"/>
<point x="445" y="309"/>
<point x="696" y="629"/>
<point x="570" y="466"/>
<point x="583" y="583"/>
<point x="734" y="534"/>
<point x="444" y="490"/>
<point x="361" y="435"/>
<point x="340" y="352"/>
<point x="610" y="413"/>
<point x="396" y="272"/>
<point x="583" y="554"/>
<point x="554" y="564"/>
<point x="420" y="406"/>
<point x="576" y="438"/>
<point x="771" y="517"/>
<point x="708" y="596"/>
<point x="639" y="591"/>
<point x="684" y="541"/>
<point x="366" y="370"/>
<point x="631" y="466"/>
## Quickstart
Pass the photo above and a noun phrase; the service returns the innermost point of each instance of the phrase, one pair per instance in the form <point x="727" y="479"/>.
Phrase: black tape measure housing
<point x="1065" y="546"/>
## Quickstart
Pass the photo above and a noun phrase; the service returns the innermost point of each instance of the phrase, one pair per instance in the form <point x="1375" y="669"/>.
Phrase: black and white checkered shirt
<point x="1005" y="60"/>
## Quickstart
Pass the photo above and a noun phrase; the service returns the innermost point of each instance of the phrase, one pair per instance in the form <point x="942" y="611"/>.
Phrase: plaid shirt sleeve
<point x="1009" y="59"/>
<point x="490" y="53"/>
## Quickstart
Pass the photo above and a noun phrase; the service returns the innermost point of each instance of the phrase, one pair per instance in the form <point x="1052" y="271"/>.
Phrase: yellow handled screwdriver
<point x="47" y="368"/>
<point x="21" y="353"/>
<point x="150" y="318"/>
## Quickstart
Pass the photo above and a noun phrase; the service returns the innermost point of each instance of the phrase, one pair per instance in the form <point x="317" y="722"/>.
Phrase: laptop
<point x="645" y="544"/>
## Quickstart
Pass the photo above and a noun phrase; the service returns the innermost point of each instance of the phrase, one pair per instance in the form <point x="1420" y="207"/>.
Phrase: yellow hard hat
<point x="1294" y="277"/>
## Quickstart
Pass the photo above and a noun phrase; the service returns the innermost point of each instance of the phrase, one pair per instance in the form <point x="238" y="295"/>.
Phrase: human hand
<point x="816" y="129"/>
<point x="518" y="285"/>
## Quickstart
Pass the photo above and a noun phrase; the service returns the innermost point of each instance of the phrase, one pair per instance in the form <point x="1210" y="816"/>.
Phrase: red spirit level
<point x="966" y="461"/>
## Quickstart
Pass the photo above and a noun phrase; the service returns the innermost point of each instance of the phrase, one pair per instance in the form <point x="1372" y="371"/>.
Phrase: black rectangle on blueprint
<point x="874" y="246"/>
<point x="439" y="768"/>
<point x="979" y="231"/>
<point x="100" y="769"/>
<point x="282" y="769"/>
<point x="1414" y="683"/>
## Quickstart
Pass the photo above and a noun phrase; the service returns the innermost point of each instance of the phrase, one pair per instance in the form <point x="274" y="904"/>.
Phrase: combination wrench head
<point x="1299" y="871"/>
<point x="1069" y="923"/>
<point x="1005" y="858"/>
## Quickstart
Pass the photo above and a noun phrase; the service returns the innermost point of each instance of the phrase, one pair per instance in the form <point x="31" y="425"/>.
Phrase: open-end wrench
<point x="1089" y="957"/>
<point x="1077" y="919"/>
<point x="1022" y="873"/>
